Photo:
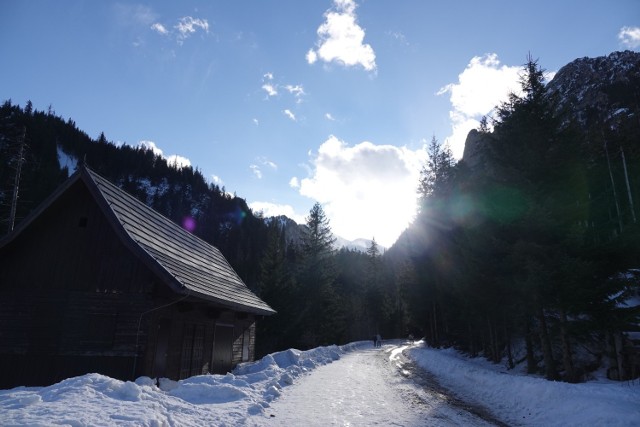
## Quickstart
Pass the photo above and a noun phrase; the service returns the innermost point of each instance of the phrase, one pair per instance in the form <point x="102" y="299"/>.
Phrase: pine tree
<point x="322" y="313"/>
<point x="318" y="242"/>
<point x="436" y="175"/>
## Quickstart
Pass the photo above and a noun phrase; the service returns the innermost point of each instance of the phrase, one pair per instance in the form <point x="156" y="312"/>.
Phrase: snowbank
<point x="240" y="398"/>
<point x="526" y="400"/>
<point x="204" y="400"/>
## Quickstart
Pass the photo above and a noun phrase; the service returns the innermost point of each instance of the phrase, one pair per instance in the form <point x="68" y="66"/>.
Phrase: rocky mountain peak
<point x="597" y="90"/>
<point x="602" y="92"/>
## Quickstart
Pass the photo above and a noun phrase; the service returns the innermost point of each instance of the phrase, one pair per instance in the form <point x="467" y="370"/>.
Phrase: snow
<point x="353" y="385"/>
<point x="525" y="400"/>
<point x="66" y="160"/>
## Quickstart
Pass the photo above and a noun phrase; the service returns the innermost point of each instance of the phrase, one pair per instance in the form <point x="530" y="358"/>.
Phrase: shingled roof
<point x="185" y="262"/>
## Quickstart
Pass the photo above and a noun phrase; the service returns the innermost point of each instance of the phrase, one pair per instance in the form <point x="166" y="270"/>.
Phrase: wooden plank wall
<point x="72" y="297"/>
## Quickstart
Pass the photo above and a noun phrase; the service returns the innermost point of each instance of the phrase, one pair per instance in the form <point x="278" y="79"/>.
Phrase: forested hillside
<point x="180" y="193"/>
<point x="532" y="241"/>
<point x="322" y="295"/>
<point x="525" y="251"/>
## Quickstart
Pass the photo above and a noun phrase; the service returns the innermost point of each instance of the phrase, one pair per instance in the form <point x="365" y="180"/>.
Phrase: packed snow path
<point x="349" y="385"/>
<point x="366" y="388"/>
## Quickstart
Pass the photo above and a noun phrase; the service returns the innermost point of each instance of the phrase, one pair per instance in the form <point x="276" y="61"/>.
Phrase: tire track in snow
<point x="409" y="369"/>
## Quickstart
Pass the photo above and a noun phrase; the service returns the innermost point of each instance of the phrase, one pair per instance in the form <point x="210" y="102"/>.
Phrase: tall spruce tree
<point x="321" y="314"/>
<point x="436" y="175"/>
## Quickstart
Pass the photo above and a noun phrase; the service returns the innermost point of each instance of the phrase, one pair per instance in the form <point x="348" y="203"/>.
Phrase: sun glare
<point x="372" y="218"/>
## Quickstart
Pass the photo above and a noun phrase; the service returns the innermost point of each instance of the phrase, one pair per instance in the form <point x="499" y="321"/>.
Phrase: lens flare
<point x="189" y="224"/>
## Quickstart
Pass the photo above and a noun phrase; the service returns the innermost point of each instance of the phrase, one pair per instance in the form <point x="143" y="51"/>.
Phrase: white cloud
<point x="271" y="164"/>
<point x="341" y="39"/>
<point x="159" y="28"/>
<point x="630" y="37"/>
<point x="184" y="29"/>
<point x="295" y="90"/>
<point x="178" y="162"/>
<point x="367" y="190"/>
<point x="270" y="89"/>
<point x="256" y="122"/>
<point x="266" y="162"/>
<point x="272" y="209"/>
<point x="328" y="116"/>
<point x="256" y="171"/>
<point x="294" y="183"/>
<point x="216" y="180"/>
<point x="172" y="160"/>
<point x="256" y="168"/>
<point x="289" y="114"/>
<point x="188" y="25"/>
<point x="482" y="86"/>
<point x="311" y="56"/>
<point x="150" y="145"/>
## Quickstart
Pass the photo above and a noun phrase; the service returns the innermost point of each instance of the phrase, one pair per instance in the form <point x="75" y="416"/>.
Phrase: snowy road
<point x="365" y="388"/>
<point x="350" y="385"/>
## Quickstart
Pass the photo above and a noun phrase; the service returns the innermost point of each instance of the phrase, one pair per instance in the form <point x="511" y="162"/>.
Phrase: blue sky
<point x="289" y="102"/>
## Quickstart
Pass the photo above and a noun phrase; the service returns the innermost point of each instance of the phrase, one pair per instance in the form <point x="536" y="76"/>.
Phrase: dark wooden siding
<point x="71" y="296"/>
<point x="245" y="331"/>
<point x="190" y="321"/>
<point x="48" y="336"/>
<point x="72" y="246"/>
<point x="74" y="299"/>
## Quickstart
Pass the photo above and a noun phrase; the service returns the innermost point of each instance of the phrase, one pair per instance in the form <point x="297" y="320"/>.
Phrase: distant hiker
<point x="378" y="341"/>
<point x="375" y="341"/>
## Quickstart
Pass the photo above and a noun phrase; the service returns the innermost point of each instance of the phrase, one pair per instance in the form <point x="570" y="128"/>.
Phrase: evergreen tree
<point x="376" y="296"/>
<point x="322" y="313"/>
<point x="437" y="173"/>
<point x="279" y="290"/>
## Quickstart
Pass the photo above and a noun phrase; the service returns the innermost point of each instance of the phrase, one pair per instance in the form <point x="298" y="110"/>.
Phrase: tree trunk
<point x="493" y="342"/>
<point x="547" y="352"/>
<point x="617" y="341"/>
<point x="472" y="341"/>
<point x="609" y="351"/>
<point x="436" y="340"/>
<point x="567" y="358"/>
<point x="507" y="338"/>
<point x="532" y="366"/>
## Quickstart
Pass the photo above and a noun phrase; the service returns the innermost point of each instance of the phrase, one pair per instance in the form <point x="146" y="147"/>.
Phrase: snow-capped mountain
<point x="294" y="233"/>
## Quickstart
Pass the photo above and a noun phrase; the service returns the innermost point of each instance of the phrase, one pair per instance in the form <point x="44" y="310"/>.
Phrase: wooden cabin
<point x="96" y="281"/>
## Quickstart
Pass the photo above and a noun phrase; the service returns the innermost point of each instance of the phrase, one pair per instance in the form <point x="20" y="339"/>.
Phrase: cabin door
<point x="162" y="349"/>
<point x="222" y="349"/>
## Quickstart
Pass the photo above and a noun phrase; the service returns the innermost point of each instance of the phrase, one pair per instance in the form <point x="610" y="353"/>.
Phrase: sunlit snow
<point x="355" y="385"/>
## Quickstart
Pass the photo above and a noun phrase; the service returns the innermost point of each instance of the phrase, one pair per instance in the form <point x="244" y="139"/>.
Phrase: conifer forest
<point x="524" y="251"/>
